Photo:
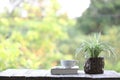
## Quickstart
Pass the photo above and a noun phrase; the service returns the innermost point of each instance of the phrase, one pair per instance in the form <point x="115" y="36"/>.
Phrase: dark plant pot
<point x="94" y="65"/>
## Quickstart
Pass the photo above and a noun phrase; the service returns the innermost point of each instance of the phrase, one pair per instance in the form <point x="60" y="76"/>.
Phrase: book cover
<point x="61" y="70"/>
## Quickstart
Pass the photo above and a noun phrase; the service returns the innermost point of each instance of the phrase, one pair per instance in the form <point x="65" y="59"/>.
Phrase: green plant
<point x="94" y="47"/>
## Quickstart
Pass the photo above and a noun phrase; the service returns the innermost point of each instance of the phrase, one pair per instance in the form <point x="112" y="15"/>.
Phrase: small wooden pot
<point x="94" y="65"/>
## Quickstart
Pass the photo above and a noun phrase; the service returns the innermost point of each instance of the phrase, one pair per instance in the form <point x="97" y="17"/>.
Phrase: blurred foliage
<point x="100" y="15"/>
<point x="34" y="35"/>
<point x="113" y="36"/>
<point x="32" y="41"/>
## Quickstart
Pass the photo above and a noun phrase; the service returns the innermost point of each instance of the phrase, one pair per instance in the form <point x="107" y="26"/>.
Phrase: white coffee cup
<point x="68" y="63"/>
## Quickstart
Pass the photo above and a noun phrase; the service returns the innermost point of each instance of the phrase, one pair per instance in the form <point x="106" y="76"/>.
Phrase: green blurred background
<point x="37" y="37"/>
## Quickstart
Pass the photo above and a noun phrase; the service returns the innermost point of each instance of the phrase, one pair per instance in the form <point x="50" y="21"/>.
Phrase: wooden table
<point x="30" y="74"/>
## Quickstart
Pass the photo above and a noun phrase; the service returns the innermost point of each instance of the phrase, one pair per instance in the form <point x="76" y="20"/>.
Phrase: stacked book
<point x="59" y="70"/>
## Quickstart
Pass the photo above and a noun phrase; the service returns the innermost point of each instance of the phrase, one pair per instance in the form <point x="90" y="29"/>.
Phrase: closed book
<point x="64" y="71"/>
